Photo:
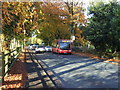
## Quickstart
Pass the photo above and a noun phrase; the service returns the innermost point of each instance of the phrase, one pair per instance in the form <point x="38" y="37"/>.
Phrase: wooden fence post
<point x="3" y="63"/>
<point x="6" y="61"/>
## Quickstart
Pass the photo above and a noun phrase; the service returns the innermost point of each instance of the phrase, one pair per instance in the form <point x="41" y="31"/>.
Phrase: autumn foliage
<point x="49" y="20"/>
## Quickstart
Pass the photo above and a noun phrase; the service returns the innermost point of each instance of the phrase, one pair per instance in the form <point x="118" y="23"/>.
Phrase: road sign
<point x="73" y="38"/>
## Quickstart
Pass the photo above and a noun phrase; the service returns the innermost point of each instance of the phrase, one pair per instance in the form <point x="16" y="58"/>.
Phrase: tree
<point x="77" y="20"/>
<point x="19" y="19"/>
<point x="53" y="23"/>
<point x="103" y="28"/>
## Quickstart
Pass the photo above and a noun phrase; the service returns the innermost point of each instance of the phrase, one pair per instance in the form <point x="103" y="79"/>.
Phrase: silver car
<point x="39" y="49"/>
<point x="48" y="48"/>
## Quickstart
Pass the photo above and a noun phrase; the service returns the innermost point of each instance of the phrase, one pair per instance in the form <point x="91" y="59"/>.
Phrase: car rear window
<point x="40" y="47"/>
<point x="48" y="47"/>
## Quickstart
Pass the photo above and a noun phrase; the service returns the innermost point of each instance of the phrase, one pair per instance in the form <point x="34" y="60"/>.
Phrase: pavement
<point x="0" y="69"/>
<point x="0" y="61"/>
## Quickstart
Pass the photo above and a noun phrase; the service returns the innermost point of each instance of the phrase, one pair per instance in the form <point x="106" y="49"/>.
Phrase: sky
<point x="86" y="3"/>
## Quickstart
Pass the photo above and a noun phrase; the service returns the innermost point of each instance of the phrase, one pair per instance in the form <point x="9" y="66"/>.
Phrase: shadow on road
<point x="88" y="74"/>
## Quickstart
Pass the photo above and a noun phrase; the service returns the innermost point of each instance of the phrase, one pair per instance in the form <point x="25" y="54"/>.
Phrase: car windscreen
<point x="65" y="45"/>
<point x="48" y="47"/>
<point x="30" y="44"/>
<point x="40" y="47"/>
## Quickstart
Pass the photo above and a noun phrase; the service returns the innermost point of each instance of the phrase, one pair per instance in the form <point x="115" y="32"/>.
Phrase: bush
<point x="83" y="49"/>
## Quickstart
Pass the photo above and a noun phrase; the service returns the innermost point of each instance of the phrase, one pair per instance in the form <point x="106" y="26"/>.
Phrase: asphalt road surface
<point x="81" y="72"/>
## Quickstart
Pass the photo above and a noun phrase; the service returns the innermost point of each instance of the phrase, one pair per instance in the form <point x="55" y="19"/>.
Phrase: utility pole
<point x="72" y="25"/>
<point x="24" y="40"/>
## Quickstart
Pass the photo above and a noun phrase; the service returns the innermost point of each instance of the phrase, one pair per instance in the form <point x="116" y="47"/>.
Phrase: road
<point x="80" y="72"/>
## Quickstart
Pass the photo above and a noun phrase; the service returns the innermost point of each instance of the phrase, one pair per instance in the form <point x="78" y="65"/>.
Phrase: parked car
<point x="48" y="48"/>
<point x="33" y="46"/>
<point x="29" y="46"/>
<point x="39" y="49"/>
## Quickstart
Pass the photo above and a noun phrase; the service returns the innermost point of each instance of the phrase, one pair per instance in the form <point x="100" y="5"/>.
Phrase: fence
<point x="8" y="61"/>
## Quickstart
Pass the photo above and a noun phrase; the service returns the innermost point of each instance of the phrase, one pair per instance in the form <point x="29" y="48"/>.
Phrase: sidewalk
<point x="17" y="77"/>
<point x="0" y="68"/>
<point x="0" y="61"/>
<point x="112" y="61"/>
